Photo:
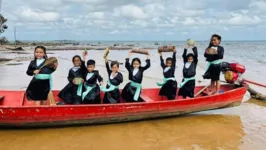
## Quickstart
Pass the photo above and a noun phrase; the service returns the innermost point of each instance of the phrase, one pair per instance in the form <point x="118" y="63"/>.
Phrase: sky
<point x="136" y="20"/>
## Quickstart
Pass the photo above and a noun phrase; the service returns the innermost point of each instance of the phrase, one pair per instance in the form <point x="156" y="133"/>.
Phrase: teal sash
<point x="137" y="93"/>
<point x="213" y="62"/>
<point x="111" y="87"/>
<point x="45" y="77"/>
<point x="89" y="75"/>
<point x="88" y="89"/>
<point x="79" y="91"/>
<point x="186" y="80"/>
<point x="165" y="80"/>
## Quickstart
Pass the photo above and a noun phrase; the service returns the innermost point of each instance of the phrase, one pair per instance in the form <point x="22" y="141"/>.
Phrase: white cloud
<point x="131" y="11"/>
<point x="127" y="17"/>
<point x="242" y="19"/>
<point x="26" y="13"/>
<point x="259" y="6"/>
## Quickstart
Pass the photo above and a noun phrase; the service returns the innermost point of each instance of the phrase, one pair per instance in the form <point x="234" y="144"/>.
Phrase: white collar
<point x="39" y="61"/>
<point x="135" y="71"/>
<point x="111" y="76"/>
<point x="166" y="69"/>
<point x="75" y="68"/>
<point x="187" y="65"/>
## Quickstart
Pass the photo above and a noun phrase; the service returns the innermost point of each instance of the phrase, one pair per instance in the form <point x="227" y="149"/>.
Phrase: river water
<point x="238" y="128"/>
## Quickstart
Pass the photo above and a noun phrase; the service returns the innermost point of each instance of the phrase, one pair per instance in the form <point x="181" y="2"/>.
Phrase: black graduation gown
<point x="188" y="89"/>
<point x="38" y="90"/>
<point x="93" y="97"/>
<point x="214" y="70"/>
<point x="69" y="92"/>
<point x="170" y="87"/>
<point x="113" y="96"/>
<point x="129" y="91"/>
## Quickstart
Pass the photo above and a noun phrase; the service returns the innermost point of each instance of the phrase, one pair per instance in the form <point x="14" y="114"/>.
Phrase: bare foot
<point x="215" y="93"/>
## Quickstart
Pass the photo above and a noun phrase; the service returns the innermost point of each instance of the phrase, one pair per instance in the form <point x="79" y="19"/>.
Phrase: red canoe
<point x="17" y="111"/>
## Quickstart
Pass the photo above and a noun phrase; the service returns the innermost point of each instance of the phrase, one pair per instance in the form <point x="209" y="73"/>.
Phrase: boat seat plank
<point x="146" y="98"/>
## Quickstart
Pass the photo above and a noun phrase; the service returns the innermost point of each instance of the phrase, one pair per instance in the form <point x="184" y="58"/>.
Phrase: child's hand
<point x="85" y="52"/>
<point x="74" y="81"/>
<point x="36" y="71"/>
<point x="207" y="51"/>
<point x="55" y="65"/>
<point x="106" y="59"/>
<point x="174" y="50"/>
<point x="187" y="46"/>
<point x="129" y="53"/>
<point x="148" y="56"/>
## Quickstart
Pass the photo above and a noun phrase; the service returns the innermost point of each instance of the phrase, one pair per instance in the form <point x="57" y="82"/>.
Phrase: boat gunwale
<point x="244" y="86"/>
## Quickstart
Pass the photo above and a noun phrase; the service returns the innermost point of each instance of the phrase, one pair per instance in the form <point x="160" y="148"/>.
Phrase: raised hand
<point x="36" y="71"/>
<point x="187" y="46"/>
<point x="129" y="53"/>
<point x="148" y="56"/>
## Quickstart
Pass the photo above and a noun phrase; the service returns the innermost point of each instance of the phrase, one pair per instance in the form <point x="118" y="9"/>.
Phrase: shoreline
<point x="68" y="47"/>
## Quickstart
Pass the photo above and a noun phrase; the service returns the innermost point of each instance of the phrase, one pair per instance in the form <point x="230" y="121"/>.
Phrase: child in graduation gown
<point x="71" y="93"/>
<point x="91" y="94"/>
<point x="189" y="72"/>
<point x="214" y="63"/>
<point x="41" y="83"/>
<point x="131" y="92"/>
<point x="112" y="93"/>
<point x="169" y="84"/>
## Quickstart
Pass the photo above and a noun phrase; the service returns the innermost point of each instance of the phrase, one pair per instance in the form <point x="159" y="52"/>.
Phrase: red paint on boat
<point x="17" y="111"/>
<point x="255" y="83"/>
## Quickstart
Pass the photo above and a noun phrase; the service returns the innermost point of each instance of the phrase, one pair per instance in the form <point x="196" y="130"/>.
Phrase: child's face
<point x="136" y="64"/>
<point x="39" y="53"/>
<point x="115" y="68"/>
<point x="190" y="59"/>
<point x="169" y="63"/>
<point x="91" y="68"/>
<point x="76" y="62"/>
<point x="215" y="41"/>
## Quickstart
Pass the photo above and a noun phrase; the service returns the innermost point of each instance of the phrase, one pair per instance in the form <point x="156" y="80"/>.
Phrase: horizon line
<point x="145" y="40"/>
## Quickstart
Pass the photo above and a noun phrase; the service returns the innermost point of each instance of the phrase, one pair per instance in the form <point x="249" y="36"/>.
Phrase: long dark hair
<point x="190" y="55"/>
<point x="135" y="59"/>
<point x="44" y="51"/>
<point x="76" y="56"/>
<point x="114" y="63"/>
<point x="217" y="36"/>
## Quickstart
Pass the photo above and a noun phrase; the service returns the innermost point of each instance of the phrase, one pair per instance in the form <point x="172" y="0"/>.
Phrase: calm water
<point x="242" y="127"/>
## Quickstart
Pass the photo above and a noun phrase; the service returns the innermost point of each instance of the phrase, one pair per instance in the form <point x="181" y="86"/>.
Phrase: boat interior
<point x="18" y="98"/>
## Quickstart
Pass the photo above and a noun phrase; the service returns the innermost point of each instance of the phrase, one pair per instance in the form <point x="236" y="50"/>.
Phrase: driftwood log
<point x="120" y="63"/>
<point x="169" y="48"/>
<point x="15" y="48"/>
<point x="140" y="51"/>
<point x="253" y="93"/>
<point x="256" y="95"/>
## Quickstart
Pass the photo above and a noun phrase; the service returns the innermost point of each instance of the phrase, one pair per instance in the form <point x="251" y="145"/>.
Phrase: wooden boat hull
<point x="24" y="114"/>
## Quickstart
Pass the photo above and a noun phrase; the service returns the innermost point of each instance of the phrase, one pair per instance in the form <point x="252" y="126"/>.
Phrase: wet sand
<point x="242" y="127"/>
